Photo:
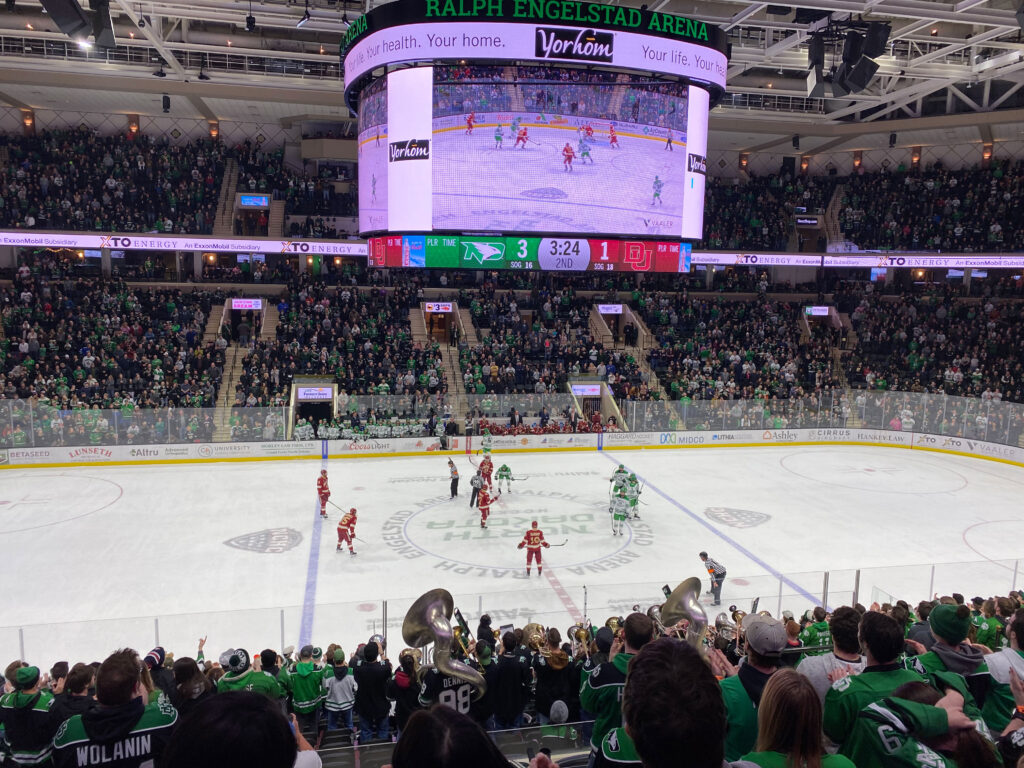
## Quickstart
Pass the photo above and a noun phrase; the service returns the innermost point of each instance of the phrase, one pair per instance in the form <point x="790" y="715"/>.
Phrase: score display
<point x="563" y="254"/>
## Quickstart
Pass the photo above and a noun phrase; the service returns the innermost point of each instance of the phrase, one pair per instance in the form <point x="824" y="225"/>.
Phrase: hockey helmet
<point x="622" y="466"/>
<point x="353" y="510"/>
<point x="323" y="471"/>
<point x="533" y="524"/>
<point x="632" y="478"/>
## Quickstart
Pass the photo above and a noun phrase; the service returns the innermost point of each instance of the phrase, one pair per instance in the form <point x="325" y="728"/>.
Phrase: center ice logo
<point x="481" y="252"/>
<point x="573" y="44"/>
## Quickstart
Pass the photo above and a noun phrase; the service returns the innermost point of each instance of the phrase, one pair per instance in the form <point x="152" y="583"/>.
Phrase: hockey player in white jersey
<point x="620" y="510"/>
<point x="633" y="496"/>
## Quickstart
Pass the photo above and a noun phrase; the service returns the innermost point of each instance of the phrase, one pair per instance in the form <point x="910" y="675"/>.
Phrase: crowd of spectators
<point x="308" y="194"/>
<point x="711" y="348"/>
<point x="537" y="343"/>
<point x="938" y="342"/>
<point x="935" y="209"/>
<point x="937" y="683"/>
<point x="76" y="179"/>
<point x="758" y="214"/>
<point x="359" y="337"/>
<point x="85" y="361"/>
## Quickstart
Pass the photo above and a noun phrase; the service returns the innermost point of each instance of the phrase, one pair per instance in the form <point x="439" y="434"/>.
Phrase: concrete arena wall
<point x="70" y="456"/>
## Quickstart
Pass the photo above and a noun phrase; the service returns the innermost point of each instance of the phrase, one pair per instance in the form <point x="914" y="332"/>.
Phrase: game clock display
<point x="561" y="254"/>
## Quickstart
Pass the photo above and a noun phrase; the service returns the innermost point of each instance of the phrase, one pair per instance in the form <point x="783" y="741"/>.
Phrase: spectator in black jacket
<point x="552" y="668"/>
<point x="75" y="698"/>
<point x="190" y="686"/>
<point x="484" y="633"/>
<point x="372" y="676"/>
<point x="404" y="691"/>
<point x="511" y="685"/>
<point x="25" y="716"/>
<point x="482" y="709"/>
<point x="163" y="678"/>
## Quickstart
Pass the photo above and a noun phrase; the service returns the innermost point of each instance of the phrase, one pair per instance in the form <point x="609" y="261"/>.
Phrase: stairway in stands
<point x="275" y="222"/>
<point x="224" y="225"/>
<point x="518" y="104"/>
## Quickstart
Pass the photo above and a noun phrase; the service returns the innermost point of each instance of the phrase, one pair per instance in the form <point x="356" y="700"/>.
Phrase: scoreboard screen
<point x="563" y="254"/>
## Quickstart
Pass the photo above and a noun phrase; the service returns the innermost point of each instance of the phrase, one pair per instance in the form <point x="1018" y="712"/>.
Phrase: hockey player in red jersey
<point x="589" y="130"/>
<point x="347" y="530"/>
<point x="521" y="137"/>
<point x="470" y="119"/>
<point x="533" y="540"/>
<point x="567" y="155"/>
<point x="484" y="502"/>
<point x="323" y="492"/>
<point x="613" y="138"/>
<point x="486" y="468"/>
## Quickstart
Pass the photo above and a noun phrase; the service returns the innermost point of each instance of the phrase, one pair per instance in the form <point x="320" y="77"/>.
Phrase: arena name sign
<point x="612" y="17"/>
<point x="567" y="12"/>
<point x="145" y="242"/>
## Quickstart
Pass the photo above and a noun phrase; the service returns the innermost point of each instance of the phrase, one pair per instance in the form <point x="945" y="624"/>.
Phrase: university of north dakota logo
<point x="481" y="252"/>
<point x="736" y="518"/>
<point x="270" y="541"/>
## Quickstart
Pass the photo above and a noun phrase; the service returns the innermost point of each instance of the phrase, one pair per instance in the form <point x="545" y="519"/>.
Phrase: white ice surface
<point x="478" y="187"/>
<point x="91" y="557"/>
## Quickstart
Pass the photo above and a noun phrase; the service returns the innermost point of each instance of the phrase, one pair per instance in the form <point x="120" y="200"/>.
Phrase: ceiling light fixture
<point x="142" y="19"/>
<point x="305" y="17"/>
<point x="250" y="21"/>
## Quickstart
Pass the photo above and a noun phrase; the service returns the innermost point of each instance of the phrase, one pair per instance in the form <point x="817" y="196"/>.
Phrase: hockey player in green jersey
<point x="498" y="137"/>
<point x="618" y="478"/>
<point x="620" y="510"/>
<point x="633" y="496"/>
<point x="514" y="128"/>
<point x="585" y="152"/>
<point x="657" y="187"/>
<point x="486" y="441"/>
<point x="504" y="473"/>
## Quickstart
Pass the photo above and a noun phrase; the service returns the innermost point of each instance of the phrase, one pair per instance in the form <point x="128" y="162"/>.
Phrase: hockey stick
<point x="524" y="477"/>
<point x="336" y="506"/>
<point x="560" y="545"/>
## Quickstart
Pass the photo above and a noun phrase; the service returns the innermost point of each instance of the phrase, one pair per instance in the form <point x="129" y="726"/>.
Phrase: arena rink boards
<point x="238" y="552"/>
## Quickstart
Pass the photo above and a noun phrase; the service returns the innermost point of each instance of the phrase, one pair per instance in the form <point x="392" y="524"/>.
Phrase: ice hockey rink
<point x="478" y="187"/>
<point x="96" y="558"/>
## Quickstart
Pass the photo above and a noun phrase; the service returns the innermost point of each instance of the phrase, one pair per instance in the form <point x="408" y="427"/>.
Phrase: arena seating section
<point x="78" y="180"/>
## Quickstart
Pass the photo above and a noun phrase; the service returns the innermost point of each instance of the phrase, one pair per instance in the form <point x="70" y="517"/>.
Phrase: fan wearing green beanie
<point x="25" y="716"/>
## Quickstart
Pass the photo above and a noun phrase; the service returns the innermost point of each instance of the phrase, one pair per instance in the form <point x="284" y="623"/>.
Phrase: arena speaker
<point x="70" y="17"/>
<point x="876" y="38"/>
<point x="816" y="52"/>
<point x="102" y="27"/>
<point x="166" y="102"/>
<point x="815" y="83"/>
<point x="862" y="73"/>
<point x="853" y="48"/>
<point x="840" y="86"/>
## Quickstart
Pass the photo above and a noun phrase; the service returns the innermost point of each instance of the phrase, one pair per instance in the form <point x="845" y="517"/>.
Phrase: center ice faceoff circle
<point x="449" y="530"/>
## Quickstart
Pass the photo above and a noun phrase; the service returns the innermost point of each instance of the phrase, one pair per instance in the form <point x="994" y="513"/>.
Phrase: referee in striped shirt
<point x="717" y="573"/>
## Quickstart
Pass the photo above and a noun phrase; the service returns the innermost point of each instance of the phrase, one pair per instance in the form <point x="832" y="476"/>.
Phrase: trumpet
<point x="614" y="623"/>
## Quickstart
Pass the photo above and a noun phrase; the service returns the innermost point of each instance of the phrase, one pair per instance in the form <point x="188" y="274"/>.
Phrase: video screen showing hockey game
<point x="373" y="157"/>
<point x="542" y="149"/>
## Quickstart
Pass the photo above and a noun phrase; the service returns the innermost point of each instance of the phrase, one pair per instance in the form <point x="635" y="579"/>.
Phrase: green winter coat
<point x="304" y="683"/>
<point x="250" y="680"/>
<point x="816" y="634"/>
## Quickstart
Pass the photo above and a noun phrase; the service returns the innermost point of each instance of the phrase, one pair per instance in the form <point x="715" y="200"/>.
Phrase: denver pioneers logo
<point x="480" y="252"/>
<point x="410" y="149"/>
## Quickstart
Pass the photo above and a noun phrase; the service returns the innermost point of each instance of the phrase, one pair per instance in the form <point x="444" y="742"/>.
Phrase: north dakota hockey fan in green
<point x="122" y="730"/>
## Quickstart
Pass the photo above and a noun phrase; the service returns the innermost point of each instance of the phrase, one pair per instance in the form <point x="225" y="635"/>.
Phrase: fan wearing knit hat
<point x="25" y="714"/>
<point x="950" y="625"/>
<point x="240" y="676"/>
